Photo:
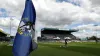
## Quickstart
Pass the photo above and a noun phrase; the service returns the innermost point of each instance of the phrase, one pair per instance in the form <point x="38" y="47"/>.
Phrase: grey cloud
<point x="95" y="2"/>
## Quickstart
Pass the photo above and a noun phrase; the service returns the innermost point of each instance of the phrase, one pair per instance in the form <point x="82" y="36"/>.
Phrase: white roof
<point x="67" y="38"/>
<point x="56" y="38"/>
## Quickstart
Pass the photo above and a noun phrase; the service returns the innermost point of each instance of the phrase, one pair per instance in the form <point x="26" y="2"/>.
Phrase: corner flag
<point x="23" y="44"/>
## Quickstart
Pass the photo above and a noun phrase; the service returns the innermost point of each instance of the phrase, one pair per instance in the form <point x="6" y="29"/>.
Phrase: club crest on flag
<point x="24" y="28"/>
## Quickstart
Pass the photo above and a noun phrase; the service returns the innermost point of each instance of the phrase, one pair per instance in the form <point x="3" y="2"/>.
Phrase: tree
<point x="94" y="38"/>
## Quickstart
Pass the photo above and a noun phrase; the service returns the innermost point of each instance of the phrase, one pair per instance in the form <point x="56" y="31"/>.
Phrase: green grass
<point x="5" y="50"/>
<point x="54" y="49"/>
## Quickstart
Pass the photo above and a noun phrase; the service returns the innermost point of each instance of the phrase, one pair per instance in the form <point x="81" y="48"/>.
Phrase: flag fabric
<point x="23" y="44"/>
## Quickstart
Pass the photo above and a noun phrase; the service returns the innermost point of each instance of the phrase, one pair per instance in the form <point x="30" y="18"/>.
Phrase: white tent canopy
<point x="56" y="38"/>
<point x="67" y="38"/>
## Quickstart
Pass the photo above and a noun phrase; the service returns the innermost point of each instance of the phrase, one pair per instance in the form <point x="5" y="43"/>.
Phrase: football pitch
<point x="55" y="49"/>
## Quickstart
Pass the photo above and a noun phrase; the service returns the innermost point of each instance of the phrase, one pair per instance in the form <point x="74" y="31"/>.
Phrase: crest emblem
<point x="23" y="28"/>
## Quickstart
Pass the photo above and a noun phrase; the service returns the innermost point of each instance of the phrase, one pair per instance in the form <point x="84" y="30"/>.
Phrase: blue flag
<point x="23" y="43"/>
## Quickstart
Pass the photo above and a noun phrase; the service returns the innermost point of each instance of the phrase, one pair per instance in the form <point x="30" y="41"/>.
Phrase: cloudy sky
<point x="83" y="15"/>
